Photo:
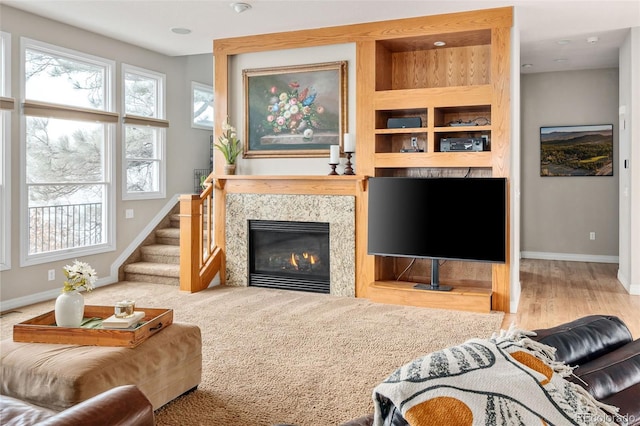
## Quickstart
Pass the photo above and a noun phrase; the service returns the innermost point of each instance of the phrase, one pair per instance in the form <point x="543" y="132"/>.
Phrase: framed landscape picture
<point x="295" y="111"/>
<point x="576" y="150"/>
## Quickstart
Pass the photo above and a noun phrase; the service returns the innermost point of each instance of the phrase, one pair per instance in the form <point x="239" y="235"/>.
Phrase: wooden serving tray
<point x="43" y="329"/>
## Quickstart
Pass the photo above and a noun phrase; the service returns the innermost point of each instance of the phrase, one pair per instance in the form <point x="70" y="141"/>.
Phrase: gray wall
<point x="559" y="212"/>
<point x="187" y="148"/>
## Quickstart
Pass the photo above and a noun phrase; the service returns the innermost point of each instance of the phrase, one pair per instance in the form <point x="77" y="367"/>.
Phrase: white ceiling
<point x="542" y="23"/>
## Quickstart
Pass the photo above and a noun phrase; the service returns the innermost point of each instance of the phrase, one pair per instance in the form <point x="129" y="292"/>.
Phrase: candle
<point x="349" y="143"/>
<point x="334" y="158"/>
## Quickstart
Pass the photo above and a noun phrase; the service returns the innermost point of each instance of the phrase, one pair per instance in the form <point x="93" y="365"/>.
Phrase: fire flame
<point x="308" y="257"/>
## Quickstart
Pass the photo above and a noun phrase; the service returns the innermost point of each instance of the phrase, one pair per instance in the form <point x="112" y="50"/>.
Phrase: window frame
<point x="107" y="116"/>
<point x="157" y="122"/>
<point x="204" y="88"/>
<point x="6" y="109"/>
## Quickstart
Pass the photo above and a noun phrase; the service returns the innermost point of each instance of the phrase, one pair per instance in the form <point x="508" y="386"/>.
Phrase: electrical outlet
<point x="592" y="235"/>
<point x="128" y="214"/>
<point x="51" y="274"/>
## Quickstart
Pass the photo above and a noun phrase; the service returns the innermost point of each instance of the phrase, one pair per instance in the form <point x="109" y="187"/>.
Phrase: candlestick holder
<point x="348" y="170"/>
<point x="333" y="169"/>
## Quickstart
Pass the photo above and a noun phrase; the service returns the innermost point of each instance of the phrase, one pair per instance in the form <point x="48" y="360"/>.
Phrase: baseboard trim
<point x="633" y="289"/>
<point x="571" y="257"/>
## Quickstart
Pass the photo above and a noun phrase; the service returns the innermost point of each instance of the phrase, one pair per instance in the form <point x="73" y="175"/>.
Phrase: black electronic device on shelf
<point x="462" y="144"/>
<point x="438" y="218"/>
<point x="404" y="122"/>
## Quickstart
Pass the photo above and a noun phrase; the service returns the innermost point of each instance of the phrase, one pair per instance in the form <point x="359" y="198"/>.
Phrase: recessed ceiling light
<point x="527" y="65"/>
<point x="593" y="40"/>
<point x="563" y="41"/>
<point x="439" y="43"/>
<point x="240" y="7"/>
<point x="181" y="31"/>
<point x="560" y="60"/>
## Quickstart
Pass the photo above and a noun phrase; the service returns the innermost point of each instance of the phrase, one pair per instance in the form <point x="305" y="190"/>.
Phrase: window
<point x="144" y="134"/>
<point x="201" y="106"/>
<point x="68" y="143"/>
<point x="6" y="106"/>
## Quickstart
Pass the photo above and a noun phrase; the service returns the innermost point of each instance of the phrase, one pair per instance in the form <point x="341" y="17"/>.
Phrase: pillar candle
<point x="349" y="143"/>
<point x="334" y="158"/>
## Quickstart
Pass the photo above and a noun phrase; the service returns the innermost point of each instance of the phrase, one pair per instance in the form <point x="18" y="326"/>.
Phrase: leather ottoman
<point x="54" y="376"/>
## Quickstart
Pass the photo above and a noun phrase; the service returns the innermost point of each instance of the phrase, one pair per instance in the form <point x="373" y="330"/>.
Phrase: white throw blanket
<point x="506" y="380"/>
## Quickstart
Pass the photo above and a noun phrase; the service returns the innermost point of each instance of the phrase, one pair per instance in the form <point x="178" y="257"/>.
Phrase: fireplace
<point x="289" y="255"/>
<point x="336" y="210"/>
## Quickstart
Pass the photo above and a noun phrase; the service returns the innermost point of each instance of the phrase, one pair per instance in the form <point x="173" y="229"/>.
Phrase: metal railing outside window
<point x="65" y="226"/>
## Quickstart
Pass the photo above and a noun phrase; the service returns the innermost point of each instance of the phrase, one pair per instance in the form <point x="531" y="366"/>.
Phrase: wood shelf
<point x="401" y="131"/>
<point x="451" y="129"/>
<point x="432" y="159"/>
<point x="465" y="295"/>
<point x="452" y="97"/>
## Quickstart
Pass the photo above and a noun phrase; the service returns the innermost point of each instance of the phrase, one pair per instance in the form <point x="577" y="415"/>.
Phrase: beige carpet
<point x="273" y="356"/>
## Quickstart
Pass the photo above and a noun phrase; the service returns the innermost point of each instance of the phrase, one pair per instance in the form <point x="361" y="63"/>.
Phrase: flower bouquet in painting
<point x="294" y="111"/>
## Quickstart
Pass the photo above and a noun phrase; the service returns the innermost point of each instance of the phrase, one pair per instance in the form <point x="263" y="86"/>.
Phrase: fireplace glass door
<point x="289" y="255"/>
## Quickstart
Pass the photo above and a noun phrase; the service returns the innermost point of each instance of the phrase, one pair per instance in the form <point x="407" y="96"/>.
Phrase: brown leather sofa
<point x="607" y="360"/>
<point x="121" y="406"/>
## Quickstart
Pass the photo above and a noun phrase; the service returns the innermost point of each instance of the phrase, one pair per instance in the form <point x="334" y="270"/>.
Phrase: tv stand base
<point x="467" y="295"/>
<point x="433" y="287"/>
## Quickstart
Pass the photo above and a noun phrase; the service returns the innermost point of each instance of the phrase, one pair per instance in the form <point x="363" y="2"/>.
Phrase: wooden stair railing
<point x="200" y="257"/>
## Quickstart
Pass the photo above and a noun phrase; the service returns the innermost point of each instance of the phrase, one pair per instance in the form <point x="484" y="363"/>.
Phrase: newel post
<point x="190" y="219"/>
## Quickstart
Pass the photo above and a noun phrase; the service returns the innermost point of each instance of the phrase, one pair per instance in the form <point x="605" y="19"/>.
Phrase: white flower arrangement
<point x="78" y="275"/>
<point x="229" y="144"/>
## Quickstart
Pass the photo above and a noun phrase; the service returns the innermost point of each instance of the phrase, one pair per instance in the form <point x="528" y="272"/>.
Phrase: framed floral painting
<point x="295" y="111"/>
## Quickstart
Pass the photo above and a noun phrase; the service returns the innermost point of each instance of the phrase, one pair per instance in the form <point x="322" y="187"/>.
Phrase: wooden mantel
<point x="289" y="184"/>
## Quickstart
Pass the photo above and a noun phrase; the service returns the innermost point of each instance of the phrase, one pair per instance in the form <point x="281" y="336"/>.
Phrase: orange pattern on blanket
<point x="441" y="411"/>
<point x="535" y="364"/>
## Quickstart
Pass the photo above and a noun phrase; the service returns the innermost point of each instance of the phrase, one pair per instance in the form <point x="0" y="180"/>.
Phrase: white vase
<point x="69" y="309"/>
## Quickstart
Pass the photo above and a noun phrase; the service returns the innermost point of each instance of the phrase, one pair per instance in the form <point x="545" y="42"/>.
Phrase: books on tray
<point x="113" y="322"/>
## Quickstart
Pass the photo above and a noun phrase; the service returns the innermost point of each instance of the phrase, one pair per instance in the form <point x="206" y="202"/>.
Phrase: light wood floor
<point x="554" y="292"/>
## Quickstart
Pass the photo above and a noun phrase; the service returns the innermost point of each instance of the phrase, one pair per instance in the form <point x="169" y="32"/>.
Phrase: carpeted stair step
<point x="151" y="272"/>
<point x="161" y="253"/>
<point x="169" y="236"/>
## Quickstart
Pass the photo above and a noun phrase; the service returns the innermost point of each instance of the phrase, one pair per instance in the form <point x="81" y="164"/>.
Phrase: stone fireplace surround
<point x="337" y="210"/>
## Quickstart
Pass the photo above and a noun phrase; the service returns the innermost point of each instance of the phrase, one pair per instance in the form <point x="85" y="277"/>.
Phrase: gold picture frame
<point x="295" y="111"/>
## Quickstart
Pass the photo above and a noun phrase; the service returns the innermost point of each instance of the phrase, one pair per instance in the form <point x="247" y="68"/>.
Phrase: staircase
<point x="157" y="260"/>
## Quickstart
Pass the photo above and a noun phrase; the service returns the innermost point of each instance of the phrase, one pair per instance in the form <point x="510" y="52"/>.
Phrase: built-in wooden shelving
<point x="461" y="89"/>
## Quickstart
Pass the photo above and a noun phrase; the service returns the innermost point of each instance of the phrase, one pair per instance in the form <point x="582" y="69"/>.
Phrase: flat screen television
<point x="437" y="219"/>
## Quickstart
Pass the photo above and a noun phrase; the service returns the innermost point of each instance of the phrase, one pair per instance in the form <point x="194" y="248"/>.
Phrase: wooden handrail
<point x="200" y="257"/>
